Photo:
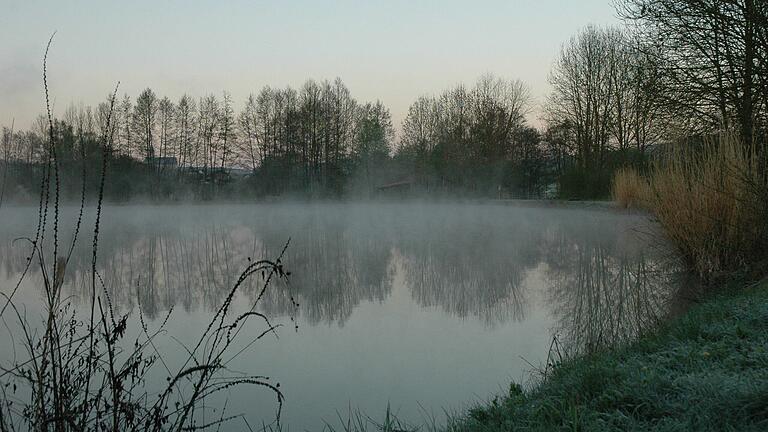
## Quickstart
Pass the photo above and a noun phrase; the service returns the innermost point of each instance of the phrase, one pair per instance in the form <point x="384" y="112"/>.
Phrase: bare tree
<point x="459" y="137"/>
<point x="208" y="123"/>
<point x="227" y="130"/>
<point x="714" y="54"/>
<point x="499" y="109"/>
<point x="374" y="137"/>
<point x="125" y="126"/>
<point x="145" y="121"/>
<point x="584" y="93"/>
<point x="637" y="119"/>
<point x="247" y="125"/>
<point x="185" y="120"/>
<point x="166" y="132"/>
<point x="7" y="141"/>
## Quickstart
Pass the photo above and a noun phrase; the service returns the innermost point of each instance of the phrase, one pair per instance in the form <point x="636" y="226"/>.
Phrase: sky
<point x="393" y="51"/>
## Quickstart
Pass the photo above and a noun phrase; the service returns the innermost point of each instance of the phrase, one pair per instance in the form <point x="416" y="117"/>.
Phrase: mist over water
<point x="407" y="304"/>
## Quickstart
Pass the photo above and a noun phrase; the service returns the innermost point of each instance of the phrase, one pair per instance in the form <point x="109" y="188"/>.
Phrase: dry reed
<point x="710" y="199"/>
<point x="629" y="189"/>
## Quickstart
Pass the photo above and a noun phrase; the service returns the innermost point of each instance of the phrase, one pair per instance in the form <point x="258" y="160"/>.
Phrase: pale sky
<point x="392" y="50"/>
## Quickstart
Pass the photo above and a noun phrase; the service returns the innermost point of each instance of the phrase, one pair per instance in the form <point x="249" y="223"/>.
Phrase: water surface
<point x="431" y="305"/>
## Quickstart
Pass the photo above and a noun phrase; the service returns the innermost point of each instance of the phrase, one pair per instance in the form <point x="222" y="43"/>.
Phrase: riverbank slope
<point x="706" y="370"/>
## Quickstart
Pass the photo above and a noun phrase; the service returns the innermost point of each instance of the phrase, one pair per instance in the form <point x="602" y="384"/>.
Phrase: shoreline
<point x="704" y="370"/>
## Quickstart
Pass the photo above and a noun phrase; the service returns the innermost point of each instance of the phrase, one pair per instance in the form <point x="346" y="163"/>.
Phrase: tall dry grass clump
<point x="629" y="189"/>
<point x="711" y="200"/>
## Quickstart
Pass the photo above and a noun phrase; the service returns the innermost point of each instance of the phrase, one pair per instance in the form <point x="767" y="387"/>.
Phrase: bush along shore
<point x="705" y="370"/>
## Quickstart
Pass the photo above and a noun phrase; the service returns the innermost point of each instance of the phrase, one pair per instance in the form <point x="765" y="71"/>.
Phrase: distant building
<point x="399" y="188"/>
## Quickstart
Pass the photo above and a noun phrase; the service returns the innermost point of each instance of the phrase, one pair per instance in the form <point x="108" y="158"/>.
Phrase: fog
<point x="384" y="300"/>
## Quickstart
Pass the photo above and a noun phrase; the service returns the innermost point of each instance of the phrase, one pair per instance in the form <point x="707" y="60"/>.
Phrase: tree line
<point x="317" y="141"/>
<point x="284" y="140"/>
<point x="675" y="69"/>
<point x="474" y="140"/>
<point x="678" y="70"/>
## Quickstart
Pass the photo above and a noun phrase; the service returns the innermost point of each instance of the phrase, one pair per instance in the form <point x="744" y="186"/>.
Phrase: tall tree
<point x="208" y="125"/>
<point x="145" y="121"/>
<point x="166" y="130"/>
<point x="463" y="137"/>
<point x="126" y="126"/>
<point x="714" y="54"/>
<point x="584" y="93"/>
<point x="227" y="130"/>
<point x="373" y="141"/>
<point x="185" y="124"/>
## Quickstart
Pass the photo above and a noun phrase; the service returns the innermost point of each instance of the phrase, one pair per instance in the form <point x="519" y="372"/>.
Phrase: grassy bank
<point x="706" y="370"/>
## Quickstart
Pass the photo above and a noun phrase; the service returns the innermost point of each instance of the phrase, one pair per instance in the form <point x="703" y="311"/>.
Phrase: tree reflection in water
<point x="607" y="290"/>
<point x="470" y="268"/>
<point x="602" y="282"/>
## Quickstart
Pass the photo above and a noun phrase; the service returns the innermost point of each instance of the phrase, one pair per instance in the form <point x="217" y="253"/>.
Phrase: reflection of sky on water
<point x="431" y="303"/>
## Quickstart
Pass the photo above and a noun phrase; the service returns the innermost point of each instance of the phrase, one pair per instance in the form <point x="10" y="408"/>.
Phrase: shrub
<point x="710" y="199"/>
<point x="629" y="189"/>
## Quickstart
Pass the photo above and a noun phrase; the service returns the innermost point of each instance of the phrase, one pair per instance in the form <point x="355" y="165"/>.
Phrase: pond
<point x="419" y="307"/>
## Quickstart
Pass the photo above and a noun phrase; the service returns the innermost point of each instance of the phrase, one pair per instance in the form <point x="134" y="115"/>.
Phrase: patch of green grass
<point x="706" y="370"/>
